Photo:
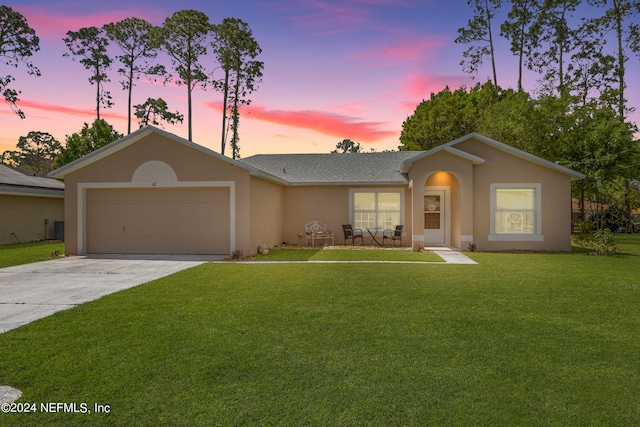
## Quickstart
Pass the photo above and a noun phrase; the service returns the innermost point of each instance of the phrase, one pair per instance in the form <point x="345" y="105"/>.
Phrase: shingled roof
<point x="13" y="181"/>
<point x="372" y="168"/>
<point x="334" y="168"/>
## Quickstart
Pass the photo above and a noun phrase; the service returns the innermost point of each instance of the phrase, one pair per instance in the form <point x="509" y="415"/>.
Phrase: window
<point x="376" y="208"/>
<point x="515" y="212"/>
<point x="432" y="220"/>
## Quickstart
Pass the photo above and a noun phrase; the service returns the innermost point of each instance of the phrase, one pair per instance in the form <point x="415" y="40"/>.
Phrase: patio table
<point x="373" y="232"/>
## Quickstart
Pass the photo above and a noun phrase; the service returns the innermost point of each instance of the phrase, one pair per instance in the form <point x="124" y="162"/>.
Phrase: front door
<point x="434" y="217"/>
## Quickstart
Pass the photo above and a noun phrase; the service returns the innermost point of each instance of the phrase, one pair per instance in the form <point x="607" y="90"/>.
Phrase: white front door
<point x="434" y="217"/>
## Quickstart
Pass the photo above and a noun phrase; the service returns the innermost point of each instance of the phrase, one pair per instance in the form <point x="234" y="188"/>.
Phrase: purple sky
<point x="333" y="70"/>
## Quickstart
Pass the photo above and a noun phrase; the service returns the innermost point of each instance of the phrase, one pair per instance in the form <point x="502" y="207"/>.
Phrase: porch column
<point x="417" y="211"/>
<point x="466" y="208"/>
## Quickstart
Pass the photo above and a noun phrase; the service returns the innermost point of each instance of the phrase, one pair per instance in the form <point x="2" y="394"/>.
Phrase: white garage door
<point x="158" y="221"/>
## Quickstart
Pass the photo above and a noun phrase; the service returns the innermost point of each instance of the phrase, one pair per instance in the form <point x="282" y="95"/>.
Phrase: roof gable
<point x="131" y="139"/>
<point x="406" y="165"/>
<point x="518" y="153"/>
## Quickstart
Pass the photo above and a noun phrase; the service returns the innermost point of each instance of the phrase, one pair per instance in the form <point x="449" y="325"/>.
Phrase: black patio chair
<point x="352" y="233"/>
<point x="393" y="235"/>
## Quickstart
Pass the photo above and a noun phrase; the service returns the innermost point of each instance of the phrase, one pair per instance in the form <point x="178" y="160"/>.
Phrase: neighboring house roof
<point x="589" y="206"/>
<point x="334" y="168"/>
<point x="13" y="181"/>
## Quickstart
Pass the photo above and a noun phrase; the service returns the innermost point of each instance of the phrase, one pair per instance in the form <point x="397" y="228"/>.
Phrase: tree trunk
<point x="521" y="57"/>
<point x="129" y="103"/>
<point x="189" y="89"/>
<point x="561" y="46"/>
<point x="583" y="213"/>
<point x="491" y="49"/>
<point x="224" y="111"/>
<point x="618" y="13"/>
<point x="97" y="94"/>
<point x="627" y="206"/>
<point x="236" y="117"/>
<point x="189" y="109"/>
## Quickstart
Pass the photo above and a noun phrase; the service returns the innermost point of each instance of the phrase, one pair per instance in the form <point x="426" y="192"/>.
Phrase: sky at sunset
<point x="333" y="70"/>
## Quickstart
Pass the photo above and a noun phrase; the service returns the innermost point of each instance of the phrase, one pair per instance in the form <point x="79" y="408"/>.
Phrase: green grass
<point x="348" y="254"/>
<point x="519" y="339"/>
<point x="25" y="253"/>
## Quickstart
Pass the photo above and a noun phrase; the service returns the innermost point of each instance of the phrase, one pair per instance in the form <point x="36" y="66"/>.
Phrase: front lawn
<point x="519" y="339"/>
<point x="25" y="253"/>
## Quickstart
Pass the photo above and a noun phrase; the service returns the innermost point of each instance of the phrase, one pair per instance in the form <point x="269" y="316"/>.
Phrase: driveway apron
<point x="33" y="291"/>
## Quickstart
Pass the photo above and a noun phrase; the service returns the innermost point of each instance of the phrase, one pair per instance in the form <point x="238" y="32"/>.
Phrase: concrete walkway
<point x="451" y="256"/>
<point x="32" y="291"/>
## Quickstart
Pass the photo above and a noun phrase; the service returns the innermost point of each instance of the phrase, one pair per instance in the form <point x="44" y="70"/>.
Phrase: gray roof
<point x="334" y="168"/>
<point x="14" y="181"/>
<point x="372" y="168"/>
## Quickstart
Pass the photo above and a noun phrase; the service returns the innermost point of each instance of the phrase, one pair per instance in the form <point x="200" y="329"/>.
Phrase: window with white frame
<point x="515" y="212"/>
<point x="376" y="208"/>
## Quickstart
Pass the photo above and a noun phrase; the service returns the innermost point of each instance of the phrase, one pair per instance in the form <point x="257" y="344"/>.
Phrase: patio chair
<point x="352" y="233"/>
<point x="393" y="235"/>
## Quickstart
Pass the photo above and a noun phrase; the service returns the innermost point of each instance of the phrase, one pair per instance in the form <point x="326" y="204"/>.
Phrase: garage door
<point x="158" y="221"/>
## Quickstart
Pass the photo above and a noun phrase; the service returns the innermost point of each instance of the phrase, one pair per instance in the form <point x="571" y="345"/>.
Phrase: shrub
<point x="601" y="242"/>
<point x="586" y="227"/>
<point x="237" y="254"/>
<point x="615" y="218"/>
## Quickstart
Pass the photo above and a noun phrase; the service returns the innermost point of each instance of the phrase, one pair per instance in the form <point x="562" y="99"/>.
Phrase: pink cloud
<point x="50" y="24"/>
<point x="421" y="86"/>
<point x="82" y="112"/>
<point x="407" y="50"/>
<point x="318" y="121"/>
<point x="326" y="17"/>
<point x="351" y="108"/>
<point x="6" y="111"/>
<point x="393" y="3"/>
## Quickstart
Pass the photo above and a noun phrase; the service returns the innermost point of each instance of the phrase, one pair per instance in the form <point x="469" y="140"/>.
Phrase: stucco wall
<point x="266" y="214"/>
<point x="188" y="163"/>
<point x="25" y="217"/>
<point x="500" y="168"/>
<point x="329" y="205"/>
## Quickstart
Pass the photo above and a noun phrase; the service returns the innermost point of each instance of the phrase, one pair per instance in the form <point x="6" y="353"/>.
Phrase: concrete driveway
<point x="33" y="291"/>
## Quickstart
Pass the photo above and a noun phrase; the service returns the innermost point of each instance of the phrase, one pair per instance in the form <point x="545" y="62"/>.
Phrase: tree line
<point x="576" y="46"/>
<point x="185" y="39"/>
<point x="576" y="116"/>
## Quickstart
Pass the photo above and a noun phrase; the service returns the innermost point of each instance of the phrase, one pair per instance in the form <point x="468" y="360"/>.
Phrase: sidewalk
<point x="451" y="256"/>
